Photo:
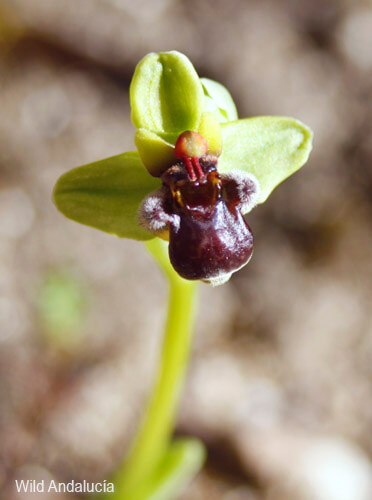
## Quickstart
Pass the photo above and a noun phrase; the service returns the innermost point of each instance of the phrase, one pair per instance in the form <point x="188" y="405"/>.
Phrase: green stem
<point x="154" y="436"/>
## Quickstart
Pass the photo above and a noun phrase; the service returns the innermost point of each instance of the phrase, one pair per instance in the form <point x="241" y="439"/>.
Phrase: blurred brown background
<point x="280" y="385"/>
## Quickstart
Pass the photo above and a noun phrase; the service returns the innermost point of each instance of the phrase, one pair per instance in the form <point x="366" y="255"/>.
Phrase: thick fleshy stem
<point x="152" y="442"/>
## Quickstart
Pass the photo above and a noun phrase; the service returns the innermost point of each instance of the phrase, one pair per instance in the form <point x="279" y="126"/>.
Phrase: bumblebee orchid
<point x="197" y="170"/>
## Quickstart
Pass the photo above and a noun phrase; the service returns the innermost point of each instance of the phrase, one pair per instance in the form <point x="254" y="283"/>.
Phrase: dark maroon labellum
<point x="211" y="238"/>
<point x="208" y="236"/>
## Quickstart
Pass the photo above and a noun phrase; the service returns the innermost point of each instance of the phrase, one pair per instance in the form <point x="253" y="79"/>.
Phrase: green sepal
<point x="270" y="147"/>
<point x="166" y="94"/>
<point x="107" y="194"/>
<point x="218" y="99"/>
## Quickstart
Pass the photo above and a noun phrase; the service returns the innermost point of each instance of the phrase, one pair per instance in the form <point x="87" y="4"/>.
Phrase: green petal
<point x="210" y="129"/>
<point x="156" y="154"/>
<point x="221" y="97"/>
<point x="166" y="94"/>
<point x="106" y="195"/>
<point x="270" y="147"/>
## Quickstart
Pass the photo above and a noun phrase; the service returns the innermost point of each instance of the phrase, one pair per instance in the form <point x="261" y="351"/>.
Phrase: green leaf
<point x="182" y="461"/>
<point x="106" y="195"/>
<point x="270" y="147"/>
<point x="166" y="94"/>
<point x="221" y="97"/>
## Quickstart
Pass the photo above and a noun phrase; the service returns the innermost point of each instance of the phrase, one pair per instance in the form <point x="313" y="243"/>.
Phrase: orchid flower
<point x="197" y="170"/>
